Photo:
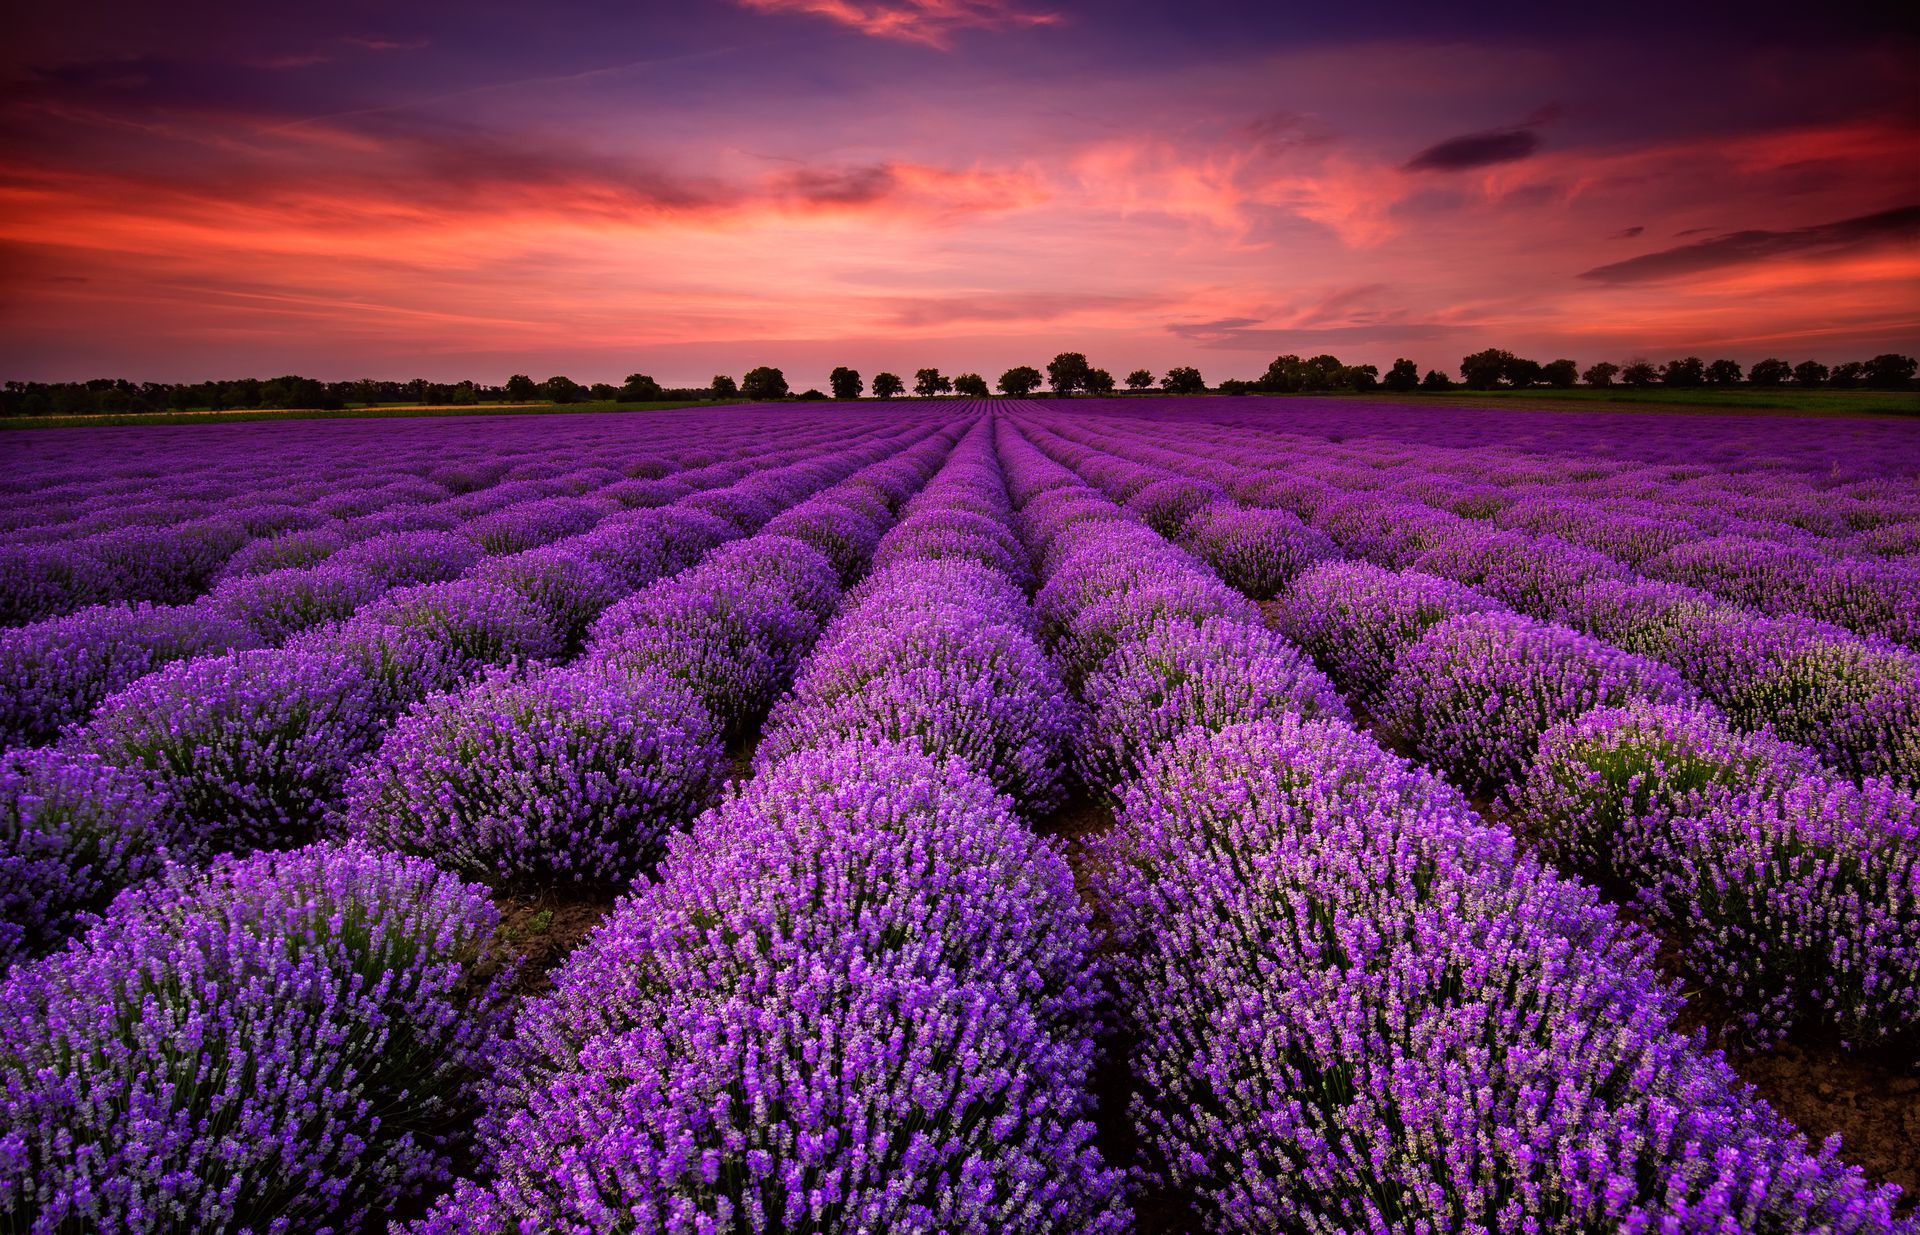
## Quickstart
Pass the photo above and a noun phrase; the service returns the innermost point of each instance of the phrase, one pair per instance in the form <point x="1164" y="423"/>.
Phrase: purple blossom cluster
<point x="284" y="1043"/>
<point x="1359" y="1009"/>
<point x="857" y="997"/>
<point x="1797" y="893"/>
<point x="557" y="777"/>
<point x="73" y="832"/>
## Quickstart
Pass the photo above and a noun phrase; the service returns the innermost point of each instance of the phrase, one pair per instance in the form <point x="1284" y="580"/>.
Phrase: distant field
<point x="377" y="412"/>
<point x="1784" y="399"/>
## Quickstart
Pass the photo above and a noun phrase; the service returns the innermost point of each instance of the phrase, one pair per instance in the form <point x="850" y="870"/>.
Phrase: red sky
<point x="450" y="191"/>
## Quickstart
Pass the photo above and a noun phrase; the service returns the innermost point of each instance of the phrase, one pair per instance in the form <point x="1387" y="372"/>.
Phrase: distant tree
<point x="1560" y="374"/>
<point x="640" y="388"/>
<point x="763" y="383"/>
<point x="972" y="385"/>
<point x="1522" y="373"/>
<point x="887" y="385"/>
<point x="1140" y="379"/>
<point x="520" y="388"/>
<point x="1360" y="377"/>
<point x="1687" y="372"/>
<point x="723" y="387"/>
<point x="1723" y="373"/>
<point x="1805" y="373"/>
<point x="1847" y="376"/>
<point x="1436" y="380"/>
<point x="1236" y="386"/>
<point x="561" y="390"/>
<point x="604" y="392"/>
<point x="845" y="382"/>
<point x="463" y="394"/>
<point x="1639" y="374"/>
<point x="1324" y="372"/>
<point x="1183" y="380"/>
<point x="1285" y="375"/>
<point x="812" y="396"/>
<point x="928" y="383"/>
<point x="1020" y="381"/>
<point x="1600" y="374"/>
<point x="1067" y="373"/>
<point x="1097" y="382"/>
<point x="1484" y="370"/>
<point x="1402" y="377"/>
<point x="1891" y="371"/>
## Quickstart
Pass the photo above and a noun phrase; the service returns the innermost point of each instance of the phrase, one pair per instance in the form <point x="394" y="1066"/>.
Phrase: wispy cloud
<point x="929" y="22"/>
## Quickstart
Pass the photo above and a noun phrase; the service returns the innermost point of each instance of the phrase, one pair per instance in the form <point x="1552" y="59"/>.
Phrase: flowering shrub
<point x="280" y="1044"/>
<point x="73" y="832"/>
<point x="1255" y="551"/>
<point x="251" y="749"/>
<point x="300" y="547"/>
<point x="1358" y="1008"/>
<point x="44" y="581"/>
<point x="401" y="558"/>
<point x="688" y="1076"/>
<point x="1179" y="676"/>
<point x="1355" y="619"/>
<point x="58" y="671"/>
<point x="569" y="588"/>
<point x="1166" y="505"/>
<point x="279" y="603"/>
<point x="561" y="777"/>
<point x="1476" y="692"/>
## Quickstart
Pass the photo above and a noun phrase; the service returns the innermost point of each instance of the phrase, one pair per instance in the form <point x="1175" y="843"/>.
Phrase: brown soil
<point x="539" y="931"/>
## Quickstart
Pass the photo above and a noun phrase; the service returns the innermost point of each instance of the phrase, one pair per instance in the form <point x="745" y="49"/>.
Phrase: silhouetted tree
<point x="1285" y="375"/>
<point x="1402" y="377"/>
<point x="561" y="390"/>
<point x="640" y="388"/>
<point x="1809" y="373"/>
<point x="1768" y="372"/>
<point x="1847" y="376"/>
<point x="1686" y="372"/>
<point x="928" y="383"/>
<point x="1183" y="380"/>
<point x="1020" y="381"/>
<point x="1361" y="377"/>
<point x="1639" y="374"/>
<point x="520" y="388"/>
<point x="887" y="385"/>
<point x="1237" y="386"/>
<point x="1522" y="373"/>
<point x="1600" y="374"/>
<point x="1560" y="374"/>
<point x="1067" y="373"/>
<point x="812" y="395"/>
<point x="846" y="383"/>
<point x="1436" y="380"/>
<point x="763" y="383"/>
<point x="603" y="392"/>
<point x="972" y="385"/>
<point x="1140" y="379"/>
<point x="1723" y="373"/>
<point x="1097" y="382"/>
<point x="1891" y="371"/>
<point x="1484" y="370"/>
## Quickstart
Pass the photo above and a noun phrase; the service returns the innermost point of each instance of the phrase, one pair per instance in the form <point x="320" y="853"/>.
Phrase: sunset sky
<point x="200" y="189"/>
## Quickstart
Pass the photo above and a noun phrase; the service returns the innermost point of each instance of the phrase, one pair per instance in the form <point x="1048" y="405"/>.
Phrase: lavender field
<point x="1159" y="814"/>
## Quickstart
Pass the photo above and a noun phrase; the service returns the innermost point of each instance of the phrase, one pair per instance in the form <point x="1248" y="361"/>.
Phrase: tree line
<point x="1068" y="373"/>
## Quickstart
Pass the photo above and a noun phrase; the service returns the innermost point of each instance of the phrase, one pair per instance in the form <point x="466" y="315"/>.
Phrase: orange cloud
<point x="931" y="22"/>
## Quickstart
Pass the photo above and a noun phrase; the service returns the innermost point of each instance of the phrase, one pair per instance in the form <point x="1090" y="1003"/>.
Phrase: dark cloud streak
<point x="1459" y="154"/>
<point x="1747" y="247"/>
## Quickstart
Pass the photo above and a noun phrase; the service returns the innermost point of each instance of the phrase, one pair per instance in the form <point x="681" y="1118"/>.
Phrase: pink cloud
<point x="931" y="22"/>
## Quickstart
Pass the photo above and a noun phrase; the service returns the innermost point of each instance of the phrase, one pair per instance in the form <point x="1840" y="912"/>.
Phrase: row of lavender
<point x="338" y="1003"/>
<point x="860" y="995"/>
<point x="252" y="748"/>
<point x="179" y="509"/>
<point x="1854" y="699"/>
<point x="1781" y="542"/>
<point x="1359" y="1006"/>
<point x="56" y="671"/>
<point x="1792" y="892"/>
